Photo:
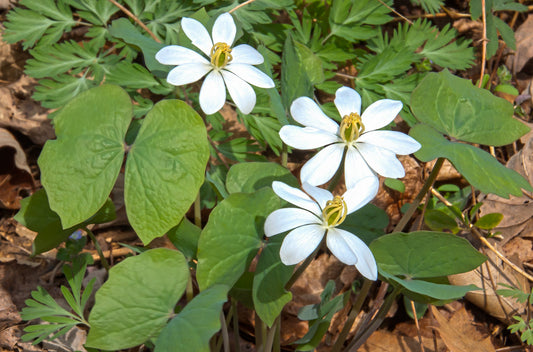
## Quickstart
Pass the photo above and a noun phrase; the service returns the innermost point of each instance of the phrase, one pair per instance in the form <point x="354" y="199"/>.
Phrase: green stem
<point x="189" y="292"/>
<point x="303" y="266"/>
<point x="375" y="323"/>
<point x="356" y="308"/>
<point x="335" y="180"/>
<point x="416" y="202"/>
<point x="224" y="328"/>
<point x="277" y="338"/>
<point x="197" y="211"/>
<point x="284" y="155"/>
<point x="236" y="336"/>
<point x="260" y="334"/>
<point x="98" y="249"/>
<point x="271" y="336"/>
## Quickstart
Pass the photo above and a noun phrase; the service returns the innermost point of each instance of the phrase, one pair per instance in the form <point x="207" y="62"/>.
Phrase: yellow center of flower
<point x="335" y="211"/>
<point x="220" y="55"/>
<point x="351" y="127"/>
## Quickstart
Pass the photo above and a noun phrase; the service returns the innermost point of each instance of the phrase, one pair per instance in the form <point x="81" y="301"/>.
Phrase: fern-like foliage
<point x="431" y="6"/>
<point x="428" y="42"/>
<point x="44" y="307"/>
<point x="38" y="21"/>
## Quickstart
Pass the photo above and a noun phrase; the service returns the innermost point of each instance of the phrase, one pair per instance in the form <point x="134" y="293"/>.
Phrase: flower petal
<point x="308" y="113"/>
<point x="321" y="195"/>
<point x="197" y="33"/>
<point x="306" y="137"/>
<point x="251" y="75"/>
<point x="350" y="250"/>
<point x="381" y="160"/>
<point x="396" y="142"/>
<point x="286" y="219"/>
<point x="321" y="168"/>
<point x="300" y="243"/>
<point x="347" y="101"/>
<point x="355" y="168"/>
<point x="361" y="194"/>
<point x="184" y="74"/>
<point x="212" y="93"/>
<point x="241" y="92"/>
<point x="380" y="113"/>
<point x="245" y="54"/>
<point x="224" y="29"/>
<point x="296" y="197"/>
<point x="178" y="55"/>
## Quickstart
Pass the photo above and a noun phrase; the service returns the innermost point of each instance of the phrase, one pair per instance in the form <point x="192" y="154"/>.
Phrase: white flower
<point x="227" y="67"/>
<point x="368" y="151"/>
<point x="319" y="214"/>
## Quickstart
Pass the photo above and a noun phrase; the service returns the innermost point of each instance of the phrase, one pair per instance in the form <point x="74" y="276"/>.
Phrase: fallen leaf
<point x="459" y="333"/>
<point x="522" y="61"/>
<point x="15" y="174"/>
<point x="385" y="341"/>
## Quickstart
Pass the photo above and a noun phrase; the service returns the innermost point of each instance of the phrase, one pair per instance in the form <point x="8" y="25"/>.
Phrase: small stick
<point x="417" y="326"/>
<point x="241" y="5"/>
<point x="133" y="17"/>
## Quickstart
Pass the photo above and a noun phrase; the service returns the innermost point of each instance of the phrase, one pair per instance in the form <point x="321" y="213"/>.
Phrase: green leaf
<point x="294" y="80"/>
<point x="271" y="275"/>
<point x="480" y="169"/>
<point x="431" y="6"/>
<point x="56" y="92"/>
<point x="489" y="221"/>
<point x="356" y="20"/>
<point x="311" y="63"/>
<point x="428" y="292"/>
<point x="192" y="328"/>
<point x="232" y="236"/>
<point x="425" y="254"/>
<point x="185" y="237"/>
<point x="453" y="106"/>
<point x="395" y="184"/>
<point x="165" y="168"/>
<point x="420" y="308"/>
<point x="35" y="214"/>
<point x="44" y="21"/>
<point x="79" y="168"/>
<point x="367" y="223"/>
<point x="138" y="299"/>
<point x="438" y="220"/>
<point x="123" y="29"/>
<point x="506" y="32"/>
<point x="250" y="177"/>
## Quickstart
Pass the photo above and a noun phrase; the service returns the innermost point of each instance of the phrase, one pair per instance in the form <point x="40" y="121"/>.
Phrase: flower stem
<point x="197" y="211"/>
<point x="338" y="174"/>
<point x="271" y="335"/>
<point x="376" y="322"/>
<point x="236" y="336"/>
<point x="224" y="329"/>
<point x="284" y="156"/>
<point x="98" y="249"/>
<point x="416" y="202"/>
<point x="356" y="308"/>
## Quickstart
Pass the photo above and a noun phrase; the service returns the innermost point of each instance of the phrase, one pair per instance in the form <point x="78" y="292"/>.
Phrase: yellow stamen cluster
<point x="351" y="127"/>
<point x="335" y="211"/>
<point x="220" y="55"/>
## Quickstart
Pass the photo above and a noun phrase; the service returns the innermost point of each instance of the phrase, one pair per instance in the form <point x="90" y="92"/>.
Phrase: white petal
<point x="184" y="74"/>
<point x="197" y="33"/>
<point x="212" y="93"/>
<point x="381" y="160"/>
<point x="224" y="29"/>
<point x="241" y="92"/>
<point x="300" y="243"/>
<point x="286" y="219"/>
<point x="178" y="55"/>
<point x="321" y="195"/>
<point x="350" y="250"/>
<point x="396" y="142"/>
<point x="321" y="168"/>
<point x="296" y="197"/>
<point x="308" y="113"/>
<point x="380" y="113"/>
<point x="245" y="54"/>
<point x="306" y="137"/>
<point x="347" y="101"/>
<point x="355" y="168"/>
<point x="251" y="75"/>
<point x="361" y="194"/>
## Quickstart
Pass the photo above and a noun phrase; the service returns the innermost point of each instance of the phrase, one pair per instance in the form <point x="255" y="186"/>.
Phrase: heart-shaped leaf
<point x="165" y="168"/>
<point x="249" y="177"/>
<point x="80" y="167"/>
<point x="138" y="299"/>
